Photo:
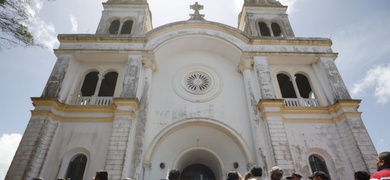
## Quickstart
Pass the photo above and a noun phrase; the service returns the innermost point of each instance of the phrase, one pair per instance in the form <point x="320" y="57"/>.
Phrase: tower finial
<point x="196" y="16"/>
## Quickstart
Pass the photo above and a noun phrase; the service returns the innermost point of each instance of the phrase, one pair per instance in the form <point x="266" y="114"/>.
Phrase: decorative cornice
<point x="89" y="113"/>
<point x="134" y="102"/>
<point x="337" y="112"/>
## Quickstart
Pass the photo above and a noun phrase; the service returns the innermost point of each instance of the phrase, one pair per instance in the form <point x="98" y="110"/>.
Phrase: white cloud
<point x="43" y="32"/>
<point x="8" y="145"/>
<point x="291" y="5"/>
<point x="377" y="78"/>
<point x="73" y="21"/>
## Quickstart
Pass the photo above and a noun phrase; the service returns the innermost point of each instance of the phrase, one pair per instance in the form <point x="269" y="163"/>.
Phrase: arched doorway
<point x="197" y="172"/>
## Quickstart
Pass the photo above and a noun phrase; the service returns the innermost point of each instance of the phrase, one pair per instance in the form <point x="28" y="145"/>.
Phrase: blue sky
<point x="359" y="30"/>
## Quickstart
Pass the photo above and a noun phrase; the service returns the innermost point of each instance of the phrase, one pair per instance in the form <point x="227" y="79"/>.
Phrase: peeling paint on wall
<point x="53" y="85"/>
<point x="131" y="76"/>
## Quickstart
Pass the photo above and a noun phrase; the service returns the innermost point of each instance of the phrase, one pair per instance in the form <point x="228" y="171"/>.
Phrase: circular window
<point x="162" y="165"/>
<point x="197" y="83"/>
<point x="235" y="165"/>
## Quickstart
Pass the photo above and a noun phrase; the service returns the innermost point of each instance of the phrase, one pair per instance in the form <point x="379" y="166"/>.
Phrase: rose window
<point x="197" y="82"/>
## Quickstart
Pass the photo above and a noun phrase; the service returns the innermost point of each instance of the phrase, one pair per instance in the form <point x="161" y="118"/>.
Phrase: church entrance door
<point x="197" y="172"/>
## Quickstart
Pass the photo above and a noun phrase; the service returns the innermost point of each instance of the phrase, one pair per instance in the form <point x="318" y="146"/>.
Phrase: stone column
<point x="53" y="85"/>
<point x="245" y="68"/>
<point x="121" y="140"/>
<point x="149" y="66"/>
<point x="271" y="32"/>
<point x="131" y="76"/>
<point x="264" y="77"/>
<point x="96" y="93"/>
<point x="339" y="90"/>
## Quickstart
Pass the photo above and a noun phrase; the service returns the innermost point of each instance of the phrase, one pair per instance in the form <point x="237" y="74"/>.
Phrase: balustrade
<point x="299" y="102"/>
<point x="91" y="100"/>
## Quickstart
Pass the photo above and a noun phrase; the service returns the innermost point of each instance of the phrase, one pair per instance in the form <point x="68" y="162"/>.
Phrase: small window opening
<point x="303" y="86"/>
<point x="89" y="84"/>
<point x="114" y="27"/>
<point x="264" y="30"/>
<point x="126" y="28"/>
<point x="76" y="167"/>
<point x="107" y="88"/>
<point x="317" y="163"/>
<point x="276" y="29"/>
<point x="286" y="86"/>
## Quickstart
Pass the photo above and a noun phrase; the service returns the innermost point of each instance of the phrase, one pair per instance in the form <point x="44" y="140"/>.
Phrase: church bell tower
<point x="199" y="96"/>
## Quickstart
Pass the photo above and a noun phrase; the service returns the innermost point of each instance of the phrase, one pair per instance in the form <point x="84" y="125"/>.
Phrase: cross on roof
<point x="196" y="16"/>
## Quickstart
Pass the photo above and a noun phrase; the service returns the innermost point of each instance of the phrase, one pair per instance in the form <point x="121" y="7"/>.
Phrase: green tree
<point x="13" y="31"/>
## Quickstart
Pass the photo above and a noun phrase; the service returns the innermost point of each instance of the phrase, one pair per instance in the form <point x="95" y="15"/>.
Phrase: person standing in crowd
<point x="256" y="173"/>
<point x="276" y="173"/>
<point x="174" y="174"/>
<point x="294" y="176"/>
<point x="247" y="175"/>
<point x="233" y="175"/>
<point x="361" y="175"/>
<point x="101" y="175"/>
<point x="319" y="175"/>
<point x="382" y="166"/>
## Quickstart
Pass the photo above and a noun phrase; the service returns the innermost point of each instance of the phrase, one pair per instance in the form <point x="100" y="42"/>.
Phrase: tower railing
<point x="93" y="100"/>
<point x="301" y="102"/>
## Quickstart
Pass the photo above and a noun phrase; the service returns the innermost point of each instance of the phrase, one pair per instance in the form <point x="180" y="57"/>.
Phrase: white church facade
<point x="195" y="95"/>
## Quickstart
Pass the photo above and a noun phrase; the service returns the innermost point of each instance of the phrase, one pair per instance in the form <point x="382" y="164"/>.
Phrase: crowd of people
<point x="276" y="173"/>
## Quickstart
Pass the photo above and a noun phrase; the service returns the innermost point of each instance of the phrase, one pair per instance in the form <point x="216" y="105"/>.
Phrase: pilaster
<point x="354" y="136"/>
<point x="264" y="77"/>
<point x="149" y="65"/>
<point x="31" y="156"/>
<point x="119" y="154"/>
<point x="53" y="85"/>
<point x="271" y="113"/>
<point x="131" y="76"/>
<point x="339" y="90"/>
<point x="259" y="143"/>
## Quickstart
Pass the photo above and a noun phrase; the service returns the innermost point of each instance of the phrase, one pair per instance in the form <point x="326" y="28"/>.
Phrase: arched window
<point x="89" y="84"/>
<point x="107" y="88"/>
<point x="317" y="163"/>
<point x="114" y="27"/>
<point x="126" y="27"/>
<point x="276" y="29"/>
<point x="303" y="85"/>
<point x="76" y="167"/>
<point x="264" y="30"/>
<point x="286" y="86"/>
